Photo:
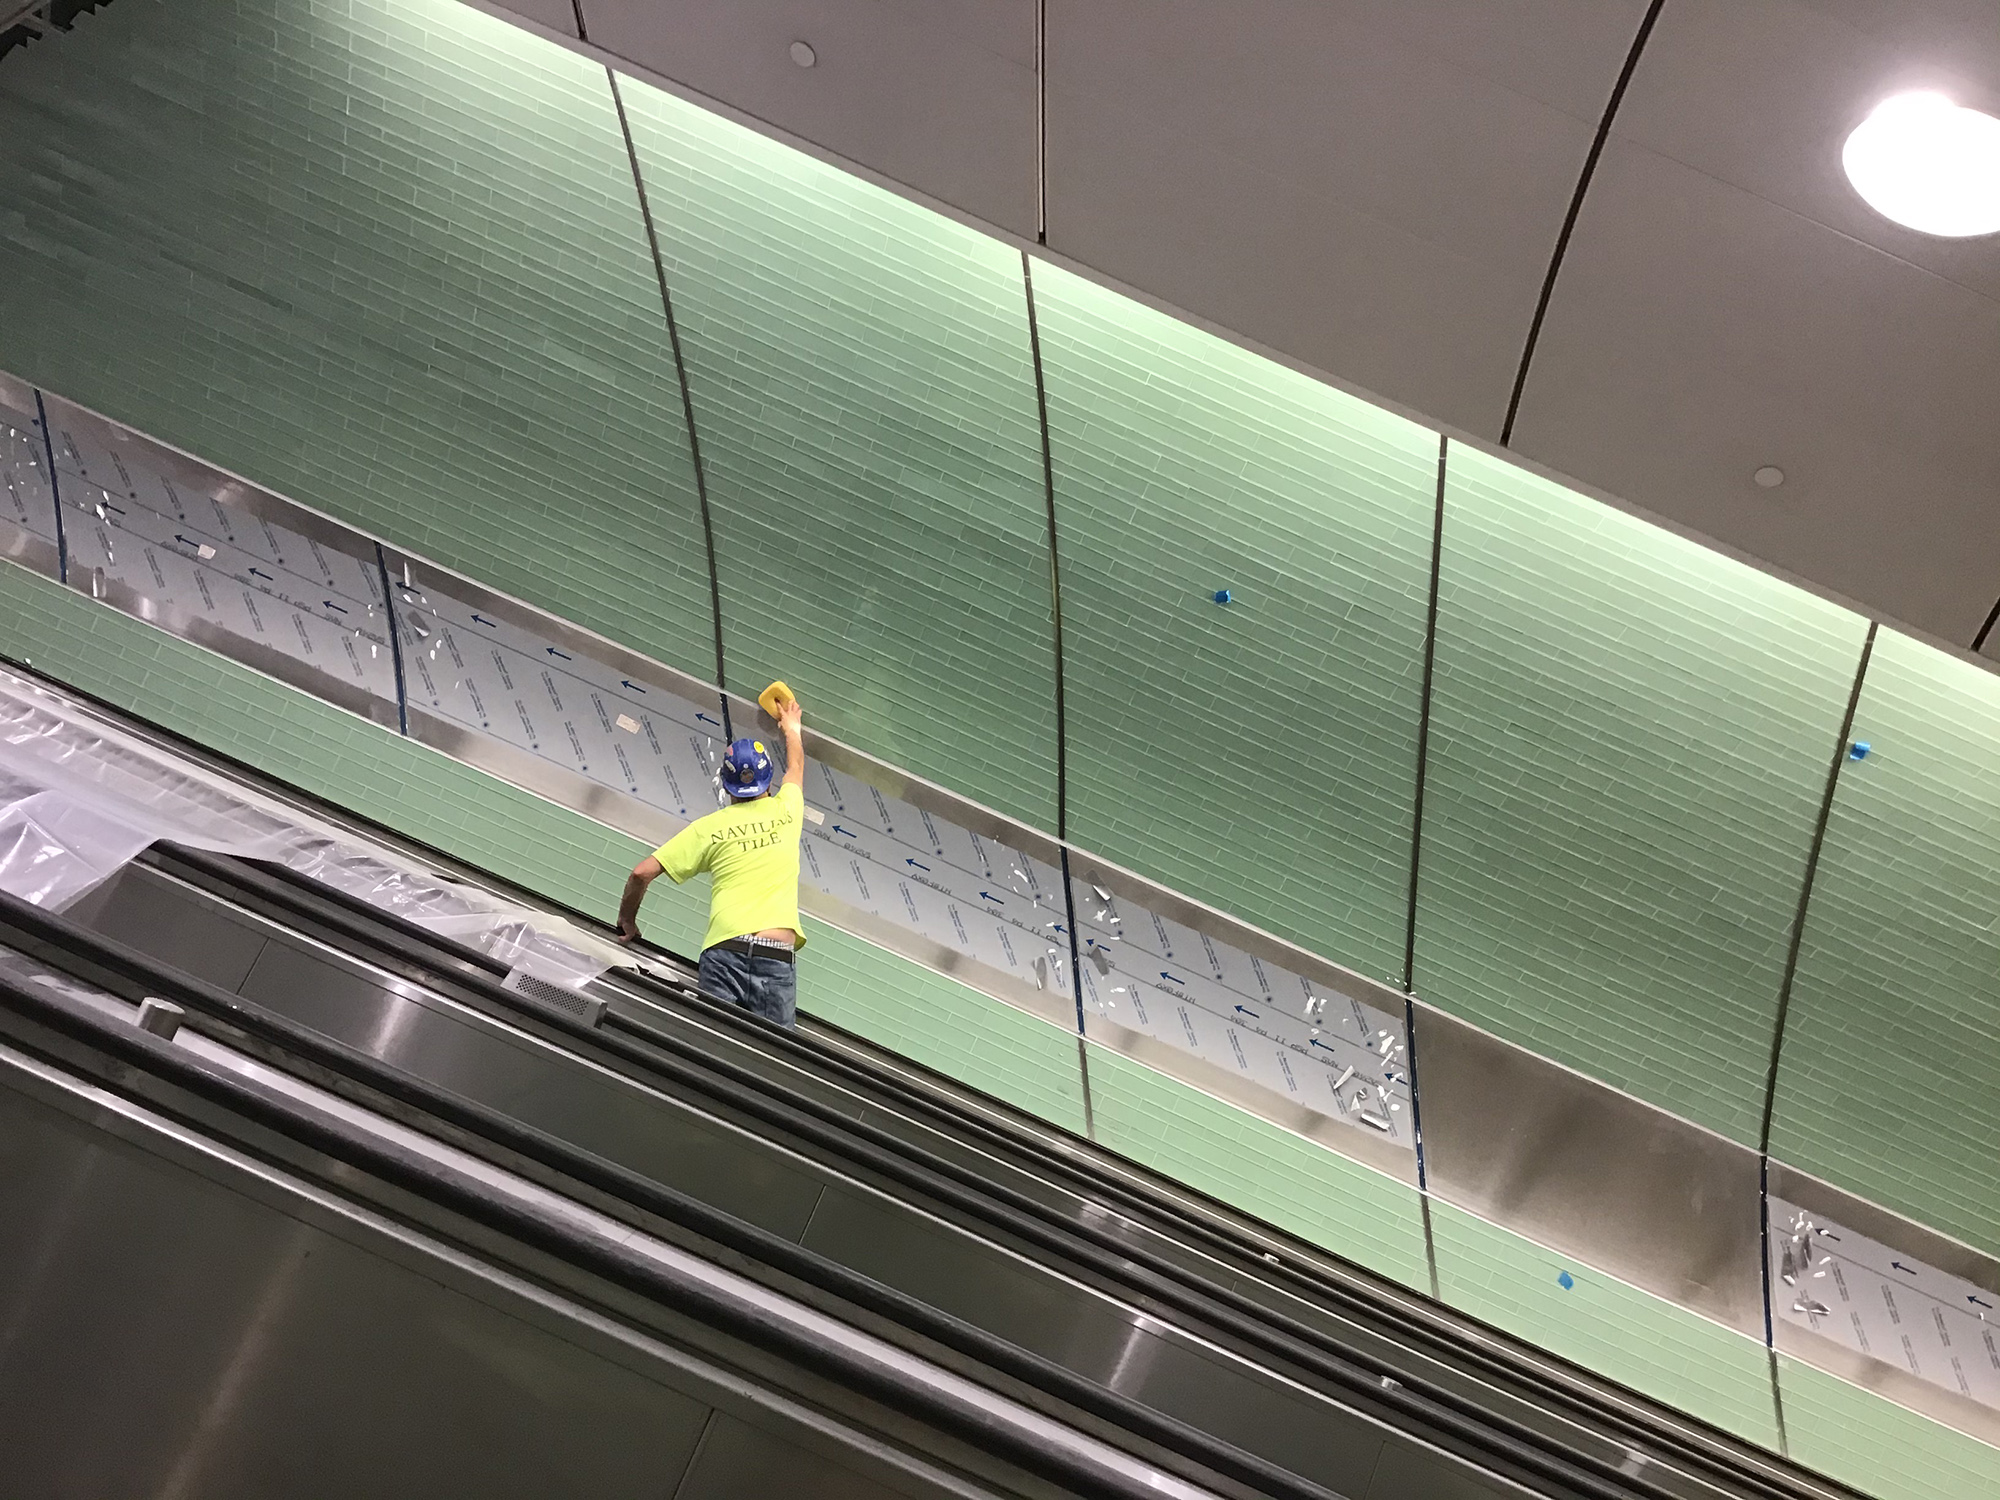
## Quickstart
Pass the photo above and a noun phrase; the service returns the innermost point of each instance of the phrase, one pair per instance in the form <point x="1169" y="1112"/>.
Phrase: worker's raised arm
<point x="790" y="717"/>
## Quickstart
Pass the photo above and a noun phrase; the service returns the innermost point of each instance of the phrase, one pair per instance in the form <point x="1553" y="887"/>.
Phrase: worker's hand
<point x="628" y="932"/>
<point x="791" y="715"/>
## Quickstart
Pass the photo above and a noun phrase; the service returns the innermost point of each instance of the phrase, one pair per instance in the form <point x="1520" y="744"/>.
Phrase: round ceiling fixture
<point x="1929" y="165"/>
<point x="803" y="54"/>
<point x="1769" y="477"/>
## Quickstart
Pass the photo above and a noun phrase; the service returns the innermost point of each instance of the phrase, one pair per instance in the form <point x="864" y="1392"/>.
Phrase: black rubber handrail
<point x="914" y="1168"/>
<point x="437" y="1182"/>
<point x="1486" y="1438"/>
<point x="144" y="976"/>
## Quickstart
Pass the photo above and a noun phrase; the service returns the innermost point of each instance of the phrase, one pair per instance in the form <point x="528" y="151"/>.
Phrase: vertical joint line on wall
<point x="1056" y="616"/>
<point x="1055" y="556"/>
<point x="1083" y="1073"/>
<point x="1409" y="975"/>
<point x="687" y="393"/>
<point x="55" y="487"/>
<point x="1041" y="122"/>
<point x="1576" y="208"/>
<point x="1806" y="889"/>
<point x="395" y="641"/>
<point x="1424" y="719"/>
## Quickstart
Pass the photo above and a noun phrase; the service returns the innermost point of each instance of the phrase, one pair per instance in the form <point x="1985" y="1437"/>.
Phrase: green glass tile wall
<point x="945" y="1026"/>
<point x="1629" y="745"/>
<point x="1269" y="1173"/>
<point x="865" y="399"/>
<point x="1261" y="754"/>
<point x="384" y="257"/>
<point x="1889" y="1082"/>
<point x="332" y="754"/>
<point x="1604" y="1325"/>
<point x="1882" y="1449"/>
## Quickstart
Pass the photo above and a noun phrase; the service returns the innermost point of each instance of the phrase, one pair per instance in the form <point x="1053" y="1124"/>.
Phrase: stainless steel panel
<point x="1108" y="1341"/>
<point x="590" y="1108"/>
<point x="1590" y="1172"/>
<point x="172" y="924"/>
<point x="1923" y="1245"/>
<point x="938" y="94"/>
<point x="1408" y="1473"/>
<point x="739" y="1461"/>
<point x="163" y="1335"/>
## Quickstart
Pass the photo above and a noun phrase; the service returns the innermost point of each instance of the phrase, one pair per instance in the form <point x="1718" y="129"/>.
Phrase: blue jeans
<point x="767" y="987"/>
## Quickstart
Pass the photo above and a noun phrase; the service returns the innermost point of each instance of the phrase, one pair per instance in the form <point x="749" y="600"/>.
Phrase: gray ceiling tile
<point x="1698" y="332"/>
<point x="1355" y="193"/>
<point x="939" y="95"/>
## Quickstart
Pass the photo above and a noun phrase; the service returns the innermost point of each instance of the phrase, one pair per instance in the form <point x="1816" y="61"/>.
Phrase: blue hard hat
<point x="746" y="770"/>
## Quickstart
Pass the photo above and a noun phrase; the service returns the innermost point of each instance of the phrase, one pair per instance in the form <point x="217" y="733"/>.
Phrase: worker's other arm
<point x="643" y="874"/>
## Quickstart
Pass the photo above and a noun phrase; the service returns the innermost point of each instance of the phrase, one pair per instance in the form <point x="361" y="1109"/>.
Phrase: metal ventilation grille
<point x="563" y="1002"/>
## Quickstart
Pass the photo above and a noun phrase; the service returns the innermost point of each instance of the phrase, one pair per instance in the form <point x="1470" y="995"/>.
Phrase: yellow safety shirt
<point x="751" y="851"/>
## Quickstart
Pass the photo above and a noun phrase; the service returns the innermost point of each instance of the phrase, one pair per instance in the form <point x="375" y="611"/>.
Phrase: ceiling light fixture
<point x="1928" y="164"/>
<point x="1769" y="477"/>
<point x="803" y="54"/>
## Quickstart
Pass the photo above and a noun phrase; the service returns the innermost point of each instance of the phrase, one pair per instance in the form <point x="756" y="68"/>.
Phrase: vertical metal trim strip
<point x="687" y="395"/>
<point x="395" y="641"/>
<point x="55" y="487"/>
<point x="1055" y="607"/>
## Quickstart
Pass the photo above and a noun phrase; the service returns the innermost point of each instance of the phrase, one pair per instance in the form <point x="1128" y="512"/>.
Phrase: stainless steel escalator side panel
<point x="1589" y="1172"/>
<point x="926" y="1251"/>
<point x="176" y="1320"/>
<point x="612" y="1117"/>
<point x="174" y="925"/>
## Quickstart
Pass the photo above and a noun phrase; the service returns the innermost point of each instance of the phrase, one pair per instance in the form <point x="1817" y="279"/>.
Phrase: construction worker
<point x="750" y="849"/>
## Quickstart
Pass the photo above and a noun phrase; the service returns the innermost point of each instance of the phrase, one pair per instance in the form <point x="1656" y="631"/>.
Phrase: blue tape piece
<point x="1565" y="1281"/>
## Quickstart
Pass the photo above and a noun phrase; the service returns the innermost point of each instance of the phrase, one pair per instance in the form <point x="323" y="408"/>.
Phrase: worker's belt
<point x="751" y="947"/>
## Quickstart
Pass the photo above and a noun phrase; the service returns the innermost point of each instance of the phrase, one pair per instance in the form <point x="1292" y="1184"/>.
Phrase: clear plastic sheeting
<point x="79" y="800"/>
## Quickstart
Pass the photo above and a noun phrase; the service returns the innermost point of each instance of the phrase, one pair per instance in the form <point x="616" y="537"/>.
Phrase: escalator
<point x="932" y="1292"/>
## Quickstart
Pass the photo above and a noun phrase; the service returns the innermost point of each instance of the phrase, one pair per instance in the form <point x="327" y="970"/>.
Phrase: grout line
<point x="395" y="641"/>
<point x="1430" y="1246"/>
<point x="55" y="488"/>
<point x="1806" y="890"/>
<point x="687" y="393"/>
<point x="1575" y="209"/>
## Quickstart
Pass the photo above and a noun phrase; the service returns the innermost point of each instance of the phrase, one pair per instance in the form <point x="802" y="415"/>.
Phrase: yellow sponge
<point x="774" y="698"/>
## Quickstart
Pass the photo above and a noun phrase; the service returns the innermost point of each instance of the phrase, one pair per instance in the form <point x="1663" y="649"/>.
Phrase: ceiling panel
<point x="1762" y="95"/>
<point x="937" y="94"/>
<point x="1699" y="332"/>
<point x="556" y="15"/>
<point x="1374" y="189"/>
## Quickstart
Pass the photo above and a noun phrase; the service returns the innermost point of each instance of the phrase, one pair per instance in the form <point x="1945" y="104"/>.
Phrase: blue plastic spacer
<point x="1859" y="750"/>
<point x="1565" y="1281"/>
<point x="1222" y="596"/>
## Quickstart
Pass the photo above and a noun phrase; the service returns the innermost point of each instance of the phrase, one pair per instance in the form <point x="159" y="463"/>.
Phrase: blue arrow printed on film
<point x="260" y="573"/>
<point x="1246" y="1010"/>
<point x="1171" y="978"/>
<point x="481" y="619"/>
<point x="989" y="896"/>
<point x="1903" y="1268"/>
<point x="848" y="831"/>
<point x="628" y="682"/>
<point x="705" y="719"/>
<point x="911" y="862"/>
<point x="332" y="606"/>
<point x="553" y="652"/>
